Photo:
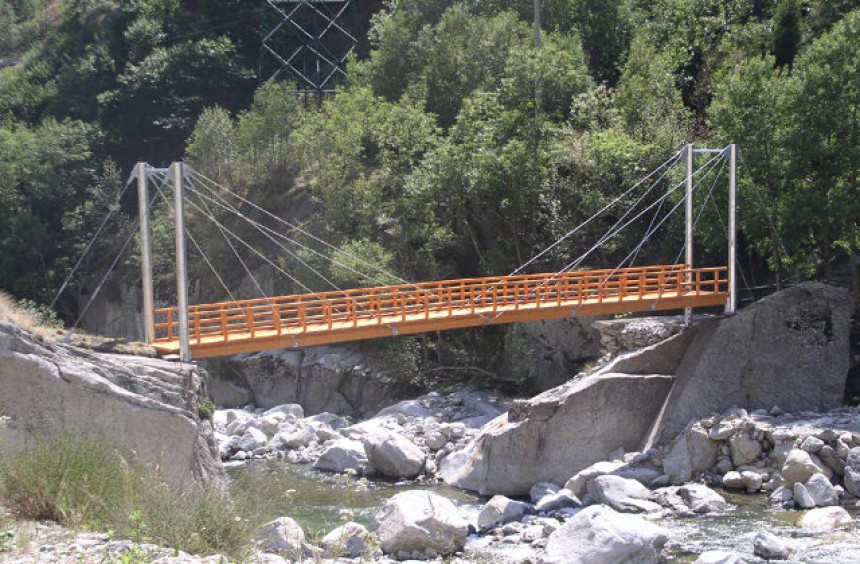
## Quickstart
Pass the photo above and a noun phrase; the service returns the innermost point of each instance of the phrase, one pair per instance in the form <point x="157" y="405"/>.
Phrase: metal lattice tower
<point x="310" y="41"/>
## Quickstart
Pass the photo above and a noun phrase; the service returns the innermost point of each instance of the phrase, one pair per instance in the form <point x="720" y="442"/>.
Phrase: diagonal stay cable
<point x="263" y="229"/>
<point x="297" y="228"/>
<point x="768" y="212"/>
<point x="612" y="234"/>
<point x="193" y="240"/>
<point x="95" y="293"/>
<point x="111" y="210"/>
<point x="669" y="163"/>
<point x="632" y="254"/>
<point x="269" y="233"/>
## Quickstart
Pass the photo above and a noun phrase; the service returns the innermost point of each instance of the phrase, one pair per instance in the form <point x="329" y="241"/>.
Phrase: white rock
<point x="811" y="444"/>
<point x="718" y="557"/>
<point x="798" y="467"/>
<point x="783" y="496"/>
<point x="269" y="423"/>
<point x="393" y="455"/>
<point x="283" y="536"/>
<point x="770" y="547"/>
<point x="542" y="489"/>
<point x="851" y="479"/>
<point x="622" y="494"/>
<point x="344" y="454"/>
<point x="751" y="480"/>
<point x="501" y="509"/>
<point x="293" y="438"/>
<point x="744" y="449"/>
<point x="802" y="497"/>
<point x="435" y="440"/>
<point x="293" y="409"/>
<point x="348" y="540"/>
<point x="599" y="535"/>
<point x="558" y="500"/>
<point x="702" y="499"/>
<point x="578" y="484"/>
<point x="733" y="481"/>
<point x="826" y="518"/>
<point x="821" y="490"/>
<point x="419" y="520"/>
<point x="252" y="439"/>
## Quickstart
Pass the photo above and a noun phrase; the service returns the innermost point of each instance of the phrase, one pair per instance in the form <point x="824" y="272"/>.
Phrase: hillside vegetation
<point x="454" y="149"/>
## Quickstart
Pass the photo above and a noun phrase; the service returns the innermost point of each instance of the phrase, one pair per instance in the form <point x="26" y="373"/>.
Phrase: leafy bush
<point x="86" y="482"/>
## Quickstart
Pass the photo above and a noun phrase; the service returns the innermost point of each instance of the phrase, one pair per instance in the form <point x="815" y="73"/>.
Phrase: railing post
<point x="178" y="170"/>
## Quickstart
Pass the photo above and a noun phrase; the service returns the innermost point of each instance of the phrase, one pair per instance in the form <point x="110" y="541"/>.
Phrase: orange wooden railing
<point x="438" y="301"/>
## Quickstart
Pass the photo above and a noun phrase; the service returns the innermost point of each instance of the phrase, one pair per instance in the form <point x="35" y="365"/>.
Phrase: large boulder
<point x="558" y="433"/>
<point x="336" y="378"/>
<point x="826" y="518"/>
<point x="799" y="466"/>
<point x="282" y="536"/>
<point x="393" y="455"/>
<point x="621" y="494"/>
<point x="146" y="406"/>
<point x="419" y="521"/>
<point x="343" y="455"/>
<point x="692" y="453"/>
<point x="501" y="509"/>
<point x="349" y="540"/>
<point x="599" y="535"/>
<point x="789" y="349"/>
<point x="852" y="472"/>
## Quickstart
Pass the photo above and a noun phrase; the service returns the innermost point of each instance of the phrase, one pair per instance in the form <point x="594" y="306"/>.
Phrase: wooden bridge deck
<point x="367" y="313"/>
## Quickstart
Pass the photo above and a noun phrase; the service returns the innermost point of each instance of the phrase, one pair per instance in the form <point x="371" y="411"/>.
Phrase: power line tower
<point x="309" y="41"/>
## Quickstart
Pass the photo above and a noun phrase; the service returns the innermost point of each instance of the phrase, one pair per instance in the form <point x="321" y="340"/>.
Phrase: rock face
<point x="419" y="521"/>
<point x="599" y="535"/>
<point x="335" y="378"/>
<point x="789" y="349"/>
<point x="143" y="405"/>
<point x="543" y="354"/>
<point x="557" y="433"/>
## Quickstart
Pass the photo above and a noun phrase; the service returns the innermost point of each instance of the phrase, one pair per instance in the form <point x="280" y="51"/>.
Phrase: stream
<point x="319" y="502"/>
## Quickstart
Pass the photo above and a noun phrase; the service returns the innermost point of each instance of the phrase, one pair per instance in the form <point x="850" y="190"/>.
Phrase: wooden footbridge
<point x="315" y="318"/>
<point x="351" y="315"/>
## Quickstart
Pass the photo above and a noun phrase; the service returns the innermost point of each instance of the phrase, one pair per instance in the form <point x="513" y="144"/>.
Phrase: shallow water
<point x="320" y="501"/>
<point x="735" y="531"/>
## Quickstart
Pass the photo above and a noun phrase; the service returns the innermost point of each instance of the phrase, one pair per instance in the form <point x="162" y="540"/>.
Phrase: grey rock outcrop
<point x="142" y="405"/>
<point x="789" y="349"/>
<point x="599" y="535"/>
<point x="336" y="378"/>
<point x="541" y="354"/>
<point x="419" y="521"/>
<point x="558" y="433"/>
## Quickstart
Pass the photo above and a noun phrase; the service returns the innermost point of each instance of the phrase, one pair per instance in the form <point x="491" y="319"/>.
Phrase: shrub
<point x="86" y="482"/>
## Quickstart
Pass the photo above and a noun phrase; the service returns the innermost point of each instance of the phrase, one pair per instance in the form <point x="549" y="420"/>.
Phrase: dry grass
<point x="13" y="313"/>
